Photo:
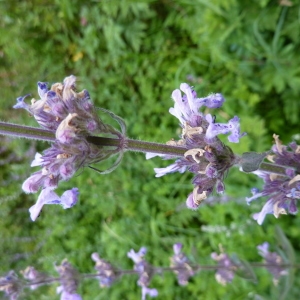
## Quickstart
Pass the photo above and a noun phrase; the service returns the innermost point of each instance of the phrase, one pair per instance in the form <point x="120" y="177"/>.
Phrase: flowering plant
<point x="78" y="137"/>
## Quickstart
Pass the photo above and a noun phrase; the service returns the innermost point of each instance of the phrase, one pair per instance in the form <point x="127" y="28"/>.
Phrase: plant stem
<point x="28" y="132"/>
<point x="139" y="146"/>
<point x="273" y="168"/>
<point x="35" y="133"/>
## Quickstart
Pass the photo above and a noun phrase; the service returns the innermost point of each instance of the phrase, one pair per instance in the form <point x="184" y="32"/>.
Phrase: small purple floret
<point x="211" y="101"/>
<point x="47" y="196"/>
<point x="42" y="89"/>
<point x="21" y="103"/>
<point x="215" y="129"/>
<point x="273" y="261"/>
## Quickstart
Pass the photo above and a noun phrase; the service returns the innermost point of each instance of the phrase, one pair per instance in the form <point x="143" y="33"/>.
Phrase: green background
<point x="130" y="56"/>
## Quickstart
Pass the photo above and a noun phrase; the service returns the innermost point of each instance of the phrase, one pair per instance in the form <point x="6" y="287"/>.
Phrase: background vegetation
<point x="130" y="55"/>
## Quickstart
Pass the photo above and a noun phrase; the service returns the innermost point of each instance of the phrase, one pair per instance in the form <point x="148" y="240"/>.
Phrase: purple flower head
<point x="273" y="261"/>
<point x="225" y="272"/>
<point x="282" y="191"/>
<point x="206" y="156"/>
<point x="105" y="271"/>
<point x="34" y="276"/>
<point x="144" y="270"/>
<point x="10" y="285"/>
<point x="73" y="118"/>
<point x="181" y="265"/>
<point x="69" y="279"/>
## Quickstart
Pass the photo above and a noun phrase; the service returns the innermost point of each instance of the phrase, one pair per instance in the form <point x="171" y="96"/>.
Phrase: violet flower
<point x="105" y="271"/>
<point x="181" y="265"/>
<point x="10" y="285"/>
<point x="144" y="270"/>
<point x="206" y="156"/>
<point x="283" y="192"/>
<point x="35" y="277"/>
<point x="69" y="279"/>
<point x="67" y="296"/>
<point x="225" y="272"/>
<point x="72" y="117"/>
<point x="274" y="262"/>
<point x="47" y="196"/>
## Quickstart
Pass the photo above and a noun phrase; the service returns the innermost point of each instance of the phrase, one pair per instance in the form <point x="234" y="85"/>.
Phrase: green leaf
<point x="251" y="161"/>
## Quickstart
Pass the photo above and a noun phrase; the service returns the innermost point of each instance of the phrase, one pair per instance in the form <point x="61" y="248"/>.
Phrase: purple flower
<point x="73" y="118"/>
<point x="47" y="196"/>
<point x="69" y="279"/>
<point x="137" y="257"/>
<point x="215" y="129"/>
<point x="170" y="169"/>
<point x="273" y="261"/>
<point x="105" y="271"/>
<point x="225" y="272"/>
<point x="144" y="270"/>
<point x="150" y="292"/>
<point x="282" y="191"/>
<point x="35" y="277"/>
<point x="67" y="296"/>
<point x="267" y="209"/>
<point x="10" y="285"/>
<point x="206" y="156"/>
<point x="181" y="265"/>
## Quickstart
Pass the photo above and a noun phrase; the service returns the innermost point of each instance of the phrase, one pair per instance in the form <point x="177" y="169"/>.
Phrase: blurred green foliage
<point x="130" y="56"/>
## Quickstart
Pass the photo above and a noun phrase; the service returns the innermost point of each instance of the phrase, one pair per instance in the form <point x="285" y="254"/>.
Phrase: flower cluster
<point x="72" y="117"/>
<point x="144" y="270"/>
<point x="69" y="279"/>
<point x="282" y="190"/>
<point x="206" y="156"/>
<point x="226" y="268"/>
<point x="10" y="285"/>
<point x="35" y="277"/>
<point x="274" y="262"/>
<point x="106" y="273"/>
<point x="181" y="265"/>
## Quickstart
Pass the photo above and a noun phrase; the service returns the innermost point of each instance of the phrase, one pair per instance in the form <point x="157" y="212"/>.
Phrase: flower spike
<point x="206" y="156"/>
<point x="72" y="117"/>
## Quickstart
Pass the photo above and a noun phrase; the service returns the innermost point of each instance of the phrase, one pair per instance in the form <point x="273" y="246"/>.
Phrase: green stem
<point x="139" y="146"/>
<point x="273" y="168"/>
<point x="35" y="133"/>
<point x="28" y="132"/>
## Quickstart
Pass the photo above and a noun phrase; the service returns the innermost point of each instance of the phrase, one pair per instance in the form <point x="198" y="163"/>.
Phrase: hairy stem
<point x="35" y="133"/>
<point x="273" y="168"/>
<point x="28" y="132"/>
<point x="139" y="146"/>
